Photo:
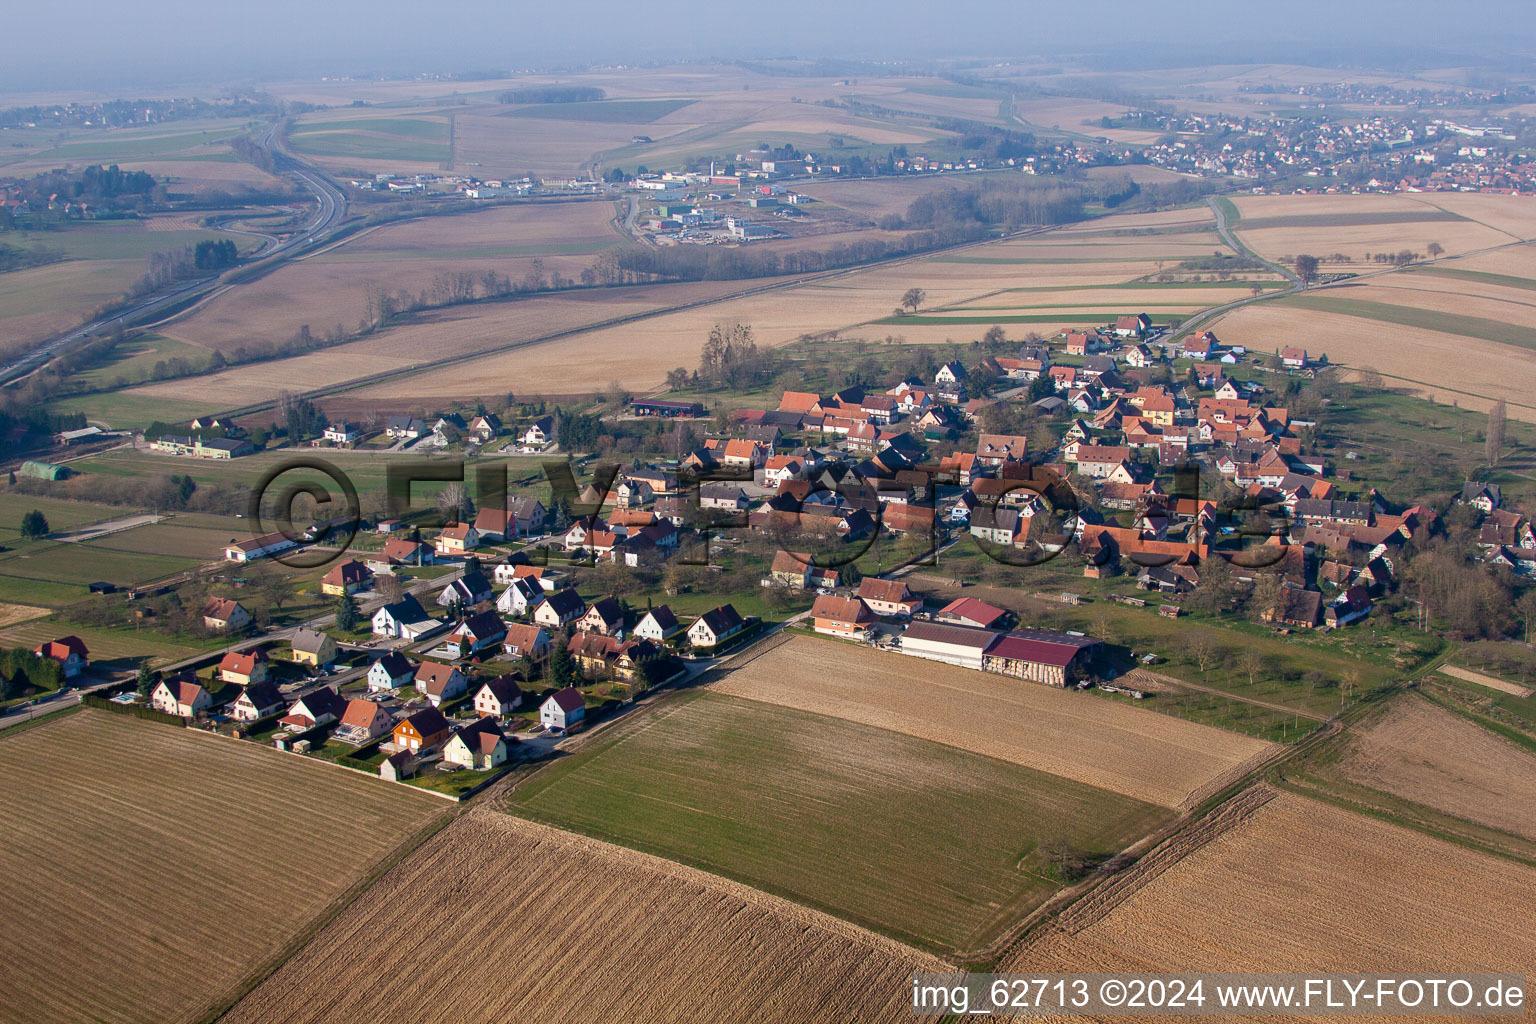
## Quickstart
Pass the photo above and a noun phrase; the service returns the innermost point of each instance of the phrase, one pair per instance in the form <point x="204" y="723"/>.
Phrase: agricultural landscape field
<point x="811" y="807"/>
<point x="1231" y="904"/>
<point x="1148" y="757"/>
<point x="624" y="933"/>
<point x="164" y="844"/>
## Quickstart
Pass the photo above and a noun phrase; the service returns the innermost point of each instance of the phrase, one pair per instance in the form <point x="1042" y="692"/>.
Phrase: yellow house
<point x="311" y="647"/>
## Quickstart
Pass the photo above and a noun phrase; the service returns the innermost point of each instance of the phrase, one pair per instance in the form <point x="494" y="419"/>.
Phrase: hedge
<point x="136" y="710"/>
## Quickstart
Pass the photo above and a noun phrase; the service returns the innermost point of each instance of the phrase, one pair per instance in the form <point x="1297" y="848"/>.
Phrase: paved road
<point x="331" y="209"/>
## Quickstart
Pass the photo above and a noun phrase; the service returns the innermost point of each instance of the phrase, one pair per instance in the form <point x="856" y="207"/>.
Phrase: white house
<point x="257" y="700"/>
<point x="391" y="672"/>
<point x="498" y="697"/>
<point x="405" y="620"/>
<point x="715" y="626"/>
<point x="480" y="745"/>
<point x="521" y="597"/>
<point x="563" y="709"/>
<point x="179" y="697"/>
<point x="659" y="625"/>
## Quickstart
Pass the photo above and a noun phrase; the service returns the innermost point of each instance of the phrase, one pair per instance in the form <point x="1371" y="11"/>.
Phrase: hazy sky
<point x="110" y="44"/>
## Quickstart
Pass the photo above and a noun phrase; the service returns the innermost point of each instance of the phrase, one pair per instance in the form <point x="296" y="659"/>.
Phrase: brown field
<point x="1304" y="886"/>
<point x="11" y="614"/>
<point x="1444" y="367"/>
<point x="1075" y="114"/>
<point x="1446" y="295"/>
<point x="149" y="846"/>
<point x="529" y="921"/>
<point x="1150" y="757"/>
<point x="1423" y="753"/>
<point x="1356" y="240"/>
<point x="460" y="330"/>
<point x="330" y="287"/>
<point x="1482" y="679"/>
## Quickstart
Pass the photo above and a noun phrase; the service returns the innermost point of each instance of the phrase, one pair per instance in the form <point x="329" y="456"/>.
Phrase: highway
<point x="330" y="211"/>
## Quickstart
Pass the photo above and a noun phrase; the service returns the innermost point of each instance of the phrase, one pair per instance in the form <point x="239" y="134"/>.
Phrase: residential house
<point x="1483" y="496"/>
<point x="477" y="634"/>
<point x="312" y="647"/>
<point x="406" y="551"/>
<point x="605" y="656"/>
<point x="889" y="599"/>
<point x="391" y="672"/>
<point x="258" y="700"/>
<point x="1293" y="358"/>
<point x="538" y="433"/>
<point x="423" y="731"/>
<point x="562" y="608"/>
<point x="795" y="569"/>
<point x="457" y="541"/>
<point x="484" y="428"/>
<point x="347" y="577"/>
<point x="466" y="591"/>
<point x="499" y="697"/>
<point x="244" y="667"/>
<point x="521" y="597"/>
<point x="715" y="626"/>
<point x="440" y="683"/>
<point x="1352" y="606"/>
<point x="605" y="617"/>
<point x="722" y="495"/>
<point x="179" y="696"/>
<point x="563" y="710"/>
<point x="405" y="620"/>
<point x="318" y="707"/>
<point x="525" y="641"/>
<point x="659" y="625"/>
<point x="481" y="745"/>
<point x="341" y="434"/>
<point x="404" y="428"/>
<point x="223" y="615"/>
<point x="993" y="524"/>
<point x="993" y="450"/>
<point x="69" y="651"/>
<point x="363" y="721"/>
<point x="628" y="493"/>
<point x="521" y="517"/>
<point x="1133" y="326"/>
<point x="842" y="616"/>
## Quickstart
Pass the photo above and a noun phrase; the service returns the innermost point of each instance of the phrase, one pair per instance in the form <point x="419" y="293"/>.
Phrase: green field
<point x="405" y="127"/>
<point x="61" y="514"/>
<point x="127" y="410"/>
<point x="604" y="111"/>
<point x="918" y="840"/>
<point x="115" y="147"/>
<point x="112" y="649"/>
<point x="1480" y="276"/>
<point x="370" y="147"/>
<point x="1412" y="316"/>
<point x="135" y="359"/>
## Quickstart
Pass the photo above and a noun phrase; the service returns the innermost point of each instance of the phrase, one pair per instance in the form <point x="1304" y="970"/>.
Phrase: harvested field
<point x="11" y="614"/>
<point x="1492" y="682"/>
<point x="637" y="938"/>
<point x="1424" y="753"/>
<point x="1304" y="886"/>
<point x="151" y="845"/>
<point x="1355" y="226"/>
<point x="463" y="330"/>
<point x="1074" y="735"/>
<point x="1444" y="367"/>
<point x="826" y="812"/>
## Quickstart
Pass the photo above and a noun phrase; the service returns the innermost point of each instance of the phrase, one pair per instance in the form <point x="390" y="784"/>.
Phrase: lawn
<point x="406" y="127"/>
<point x="919" y="840"/>
<point x="369" y="147"/>
<point x="115" y="649"/>
<point x="134" y="360"/>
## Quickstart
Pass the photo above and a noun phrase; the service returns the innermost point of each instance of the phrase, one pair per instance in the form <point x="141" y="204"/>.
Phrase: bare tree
<point x="913" y="298"/>
<point x="1202" y="650"/>
<point x="1435" y="250"/>
<point x="453" y="502"/>
<point x="1495" y="438"/>
<point x="1252" y="662"/>
<point x="1306" y="269"/>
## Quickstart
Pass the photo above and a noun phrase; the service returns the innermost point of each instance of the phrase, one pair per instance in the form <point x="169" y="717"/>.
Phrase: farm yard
<point x="1300" y="885"/>
<point x="821" y="810"/>
<point x="575" y="929"/>
<point x="150" y="845"/>
<point x="1076" y="736"/>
